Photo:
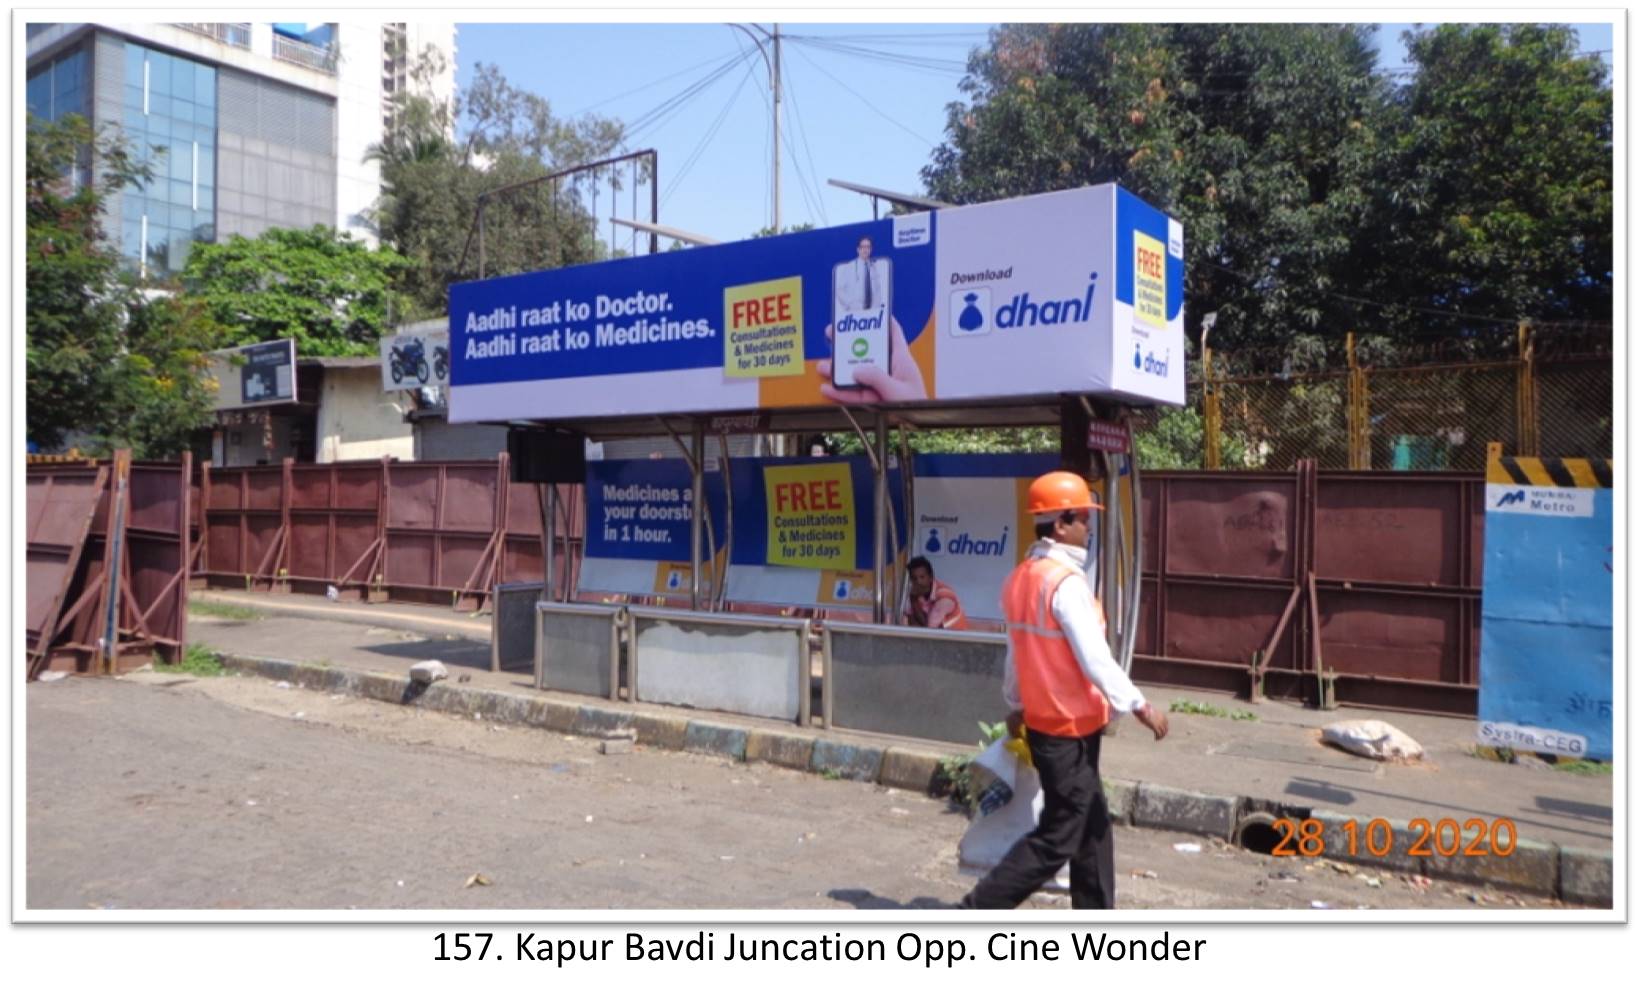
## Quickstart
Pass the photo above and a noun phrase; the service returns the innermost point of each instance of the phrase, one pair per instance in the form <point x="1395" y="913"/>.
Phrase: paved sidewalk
<point x="1235" y="765"/>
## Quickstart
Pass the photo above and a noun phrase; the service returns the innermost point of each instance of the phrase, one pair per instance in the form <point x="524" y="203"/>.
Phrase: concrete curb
<point x="362" y="615"/>
<point x="1570" y="873"/>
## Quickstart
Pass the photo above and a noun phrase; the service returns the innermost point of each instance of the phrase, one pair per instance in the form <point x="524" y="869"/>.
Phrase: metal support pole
<point x="697" y="524"/>
<point x="1108" y="568"/>
<point x="654" y="201"/>
<point x="549" y="511"/>
<point x="1134" y="611"/>
<point x="884" y="511"/>
<point x="776" y="101"/>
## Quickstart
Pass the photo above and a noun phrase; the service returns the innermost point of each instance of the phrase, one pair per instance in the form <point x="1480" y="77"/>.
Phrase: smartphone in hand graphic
<point x="860" y="316"/>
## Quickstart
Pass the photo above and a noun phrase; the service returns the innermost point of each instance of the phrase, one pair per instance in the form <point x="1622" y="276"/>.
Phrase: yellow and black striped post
<point x="1547" y="472"/>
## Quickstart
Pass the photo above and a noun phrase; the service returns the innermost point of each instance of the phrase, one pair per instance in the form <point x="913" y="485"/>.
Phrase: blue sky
<point x="862" y="102"/>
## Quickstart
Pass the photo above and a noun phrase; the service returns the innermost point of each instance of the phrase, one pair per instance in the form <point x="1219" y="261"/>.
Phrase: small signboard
<point x="412" y="360"/>
<point x="1110" y="437"/>
<point x="262" y="373"/>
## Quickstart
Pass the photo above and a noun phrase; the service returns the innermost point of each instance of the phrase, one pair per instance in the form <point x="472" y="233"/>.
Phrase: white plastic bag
<point x="1010" y="801"/>
<point x="1374" y="739"/>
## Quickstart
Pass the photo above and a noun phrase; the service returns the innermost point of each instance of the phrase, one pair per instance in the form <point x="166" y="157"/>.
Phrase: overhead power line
<point x="653" y="83"/>
<point x="705" y="140"/>
<point x="866" y="101"/>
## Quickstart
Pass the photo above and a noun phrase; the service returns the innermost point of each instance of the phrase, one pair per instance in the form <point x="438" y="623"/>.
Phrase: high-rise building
<point x="247" y="126"/>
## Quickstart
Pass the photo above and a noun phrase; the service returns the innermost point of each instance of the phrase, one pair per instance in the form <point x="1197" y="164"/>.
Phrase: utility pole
<point x="773" y="84"/>
<point x="776" y="129"/>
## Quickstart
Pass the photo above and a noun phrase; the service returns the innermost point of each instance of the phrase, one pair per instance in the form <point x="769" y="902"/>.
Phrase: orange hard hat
<point x="1059" y="491"/>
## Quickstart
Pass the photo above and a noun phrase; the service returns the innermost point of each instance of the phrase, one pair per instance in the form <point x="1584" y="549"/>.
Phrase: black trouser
<point x="1074" y="827"/>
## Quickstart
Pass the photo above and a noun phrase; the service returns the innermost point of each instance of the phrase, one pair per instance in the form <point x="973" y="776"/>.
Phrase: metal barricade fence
<point x="747" y="665"/>
<point x="577" y="647"/>
<point x="933" y="684"/>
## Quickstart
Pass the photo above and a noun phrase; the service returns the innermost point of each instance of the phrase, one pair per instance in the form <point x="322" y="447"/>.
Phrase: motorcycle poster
<point x="413" y="360"/>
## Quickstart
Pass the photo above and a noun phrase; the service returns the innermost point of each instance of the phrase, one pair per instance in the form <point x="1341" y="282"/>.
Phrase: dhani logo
<point x="1511" y="498"/>
<point x="851" y="322"/>
<point x="1022" y="312"/>
<point x="1152" y="364"/>
<point x="964" y="545"/>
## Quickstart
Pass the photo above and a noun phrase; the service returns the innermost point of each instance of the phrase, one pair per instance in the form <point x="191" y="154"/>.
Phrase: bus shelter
<point x="1062" y="308"/>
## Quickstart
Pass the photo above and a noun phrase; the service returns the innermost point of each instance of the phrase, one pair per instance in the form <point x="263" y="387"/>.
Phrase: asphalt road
<point x="159" y="791"/>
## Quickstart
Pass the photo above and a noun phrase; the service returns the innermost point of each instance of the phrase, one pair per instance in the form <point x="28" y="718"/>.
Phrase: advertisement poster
<point x="638" y="533"/>
<point x="412" y="360"/>
<point x="817" y="547"/>
<point x="262" y="373"/>
<point x="1075" y="291"/>
<point x="1546" y="663"/>
<point x="971" y="521"/>
<point x="804" y="529"/>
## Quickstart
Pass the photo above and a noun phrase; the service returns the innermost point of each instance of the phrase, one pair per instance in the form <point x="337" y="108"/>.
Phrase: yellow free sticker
<point x="1149" y="280"/>
<point x="764" y="323"/>
<point x="810" y="516"/>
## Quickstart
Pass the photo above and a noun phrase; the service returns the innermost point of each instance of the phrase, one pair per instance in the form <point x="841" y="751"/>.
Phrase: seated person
<point x="933" y="604"/>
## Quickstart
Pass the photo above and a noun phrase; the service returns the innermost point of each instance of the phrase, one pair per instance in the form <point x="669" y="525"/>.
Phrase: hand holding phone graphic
<point x="870" y="361"/>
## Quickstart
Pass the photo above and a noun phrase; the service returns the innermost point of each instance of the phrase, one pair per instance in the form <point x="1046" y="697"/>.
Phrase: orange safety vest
<point x="956" y="619"/>
<point x="1058" y="698"/>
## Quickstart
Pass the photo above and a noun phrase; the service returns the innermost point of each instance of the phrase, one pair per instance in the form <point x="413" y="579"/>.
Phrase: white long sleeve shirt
<point x="1073" y="608"/>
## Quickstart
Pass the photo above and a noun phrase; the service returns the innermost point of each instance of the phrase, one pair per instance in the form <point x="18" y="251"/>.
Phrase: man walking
<point x="1062" y="684"/>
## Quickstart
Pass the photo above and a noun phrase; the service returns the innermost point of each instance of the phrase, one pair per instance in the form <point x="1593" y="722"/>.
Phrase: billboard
<point x="803" y="533"/>
<point x="411" y="360"/>
<point x="1546" y="640"/>
<point x="1077" y="291"/>
<point x="262" y="373"/>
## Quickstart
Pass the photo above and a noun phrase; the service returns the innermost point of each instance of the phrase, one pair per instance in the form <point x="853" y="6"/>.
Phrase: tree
<point x="1318" y="193"/>
<point x="1261" y="138"/>
<point x="431" y="184"/>
<point x="327" y="290"/>
<point x="107" y="364"/>
<point x="163" y="393"/>
<point x="1499" y="196"/>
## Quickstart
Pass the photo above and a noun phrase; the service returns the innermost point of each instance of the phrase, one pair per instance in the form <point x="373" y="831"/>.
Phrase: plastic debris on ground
<point x="429" y="671"/>
<point x="281" y="684"/>
<point x="1009" y="801"/>
<point x="334" y="594"/>
<point x="471" y="880"/>
<point x="1372" y="738"/>
<point x="1186" y="848"/>
<point x="1319" y="904"/>
<point x="54" y="676"/>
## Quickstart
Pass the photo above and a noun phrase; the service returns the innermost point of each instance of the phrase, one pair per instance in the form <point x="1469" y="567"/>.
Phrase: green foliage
<point x="1499" y="195"/>
<point x="1029" y="439"/>
<point x="1581" y="766"/>
<point x="328" y="291"/>
<point x="1192" y="708"/>
<point x="954" y="769"/>
<point x="1177" y="441"/>
<point x="197" y="661"/>
<point x="222" y="610"/>
<point x="1312" y="187"/>
<point x="431" y="184"/>
<point x="120" y="366"/>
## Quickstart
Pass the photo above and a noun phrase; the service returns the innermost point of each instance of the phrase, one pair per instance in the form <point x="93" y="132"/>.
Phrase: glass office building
<point x="233" y="152"/>
<point x="169" y="116"/>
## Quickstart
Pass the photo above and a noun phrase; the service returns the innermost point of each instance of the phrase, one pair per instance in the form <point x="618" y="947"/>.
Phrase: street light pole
<point x="773" y="84"/>
<point x="776" y="129"/>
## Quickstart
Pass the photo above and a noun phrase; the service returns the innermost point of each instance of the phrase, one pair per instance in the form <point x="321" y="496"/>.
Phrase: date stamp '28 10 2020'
<point x="1445" y="838"/>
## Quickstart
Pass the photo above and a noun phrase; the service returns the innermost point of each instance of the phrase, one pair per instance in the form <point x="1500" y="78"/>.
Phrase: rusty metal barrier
<point x="435" y="532"/>
<point x="1355" y="587"/>
<point x="108" y="554"/>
